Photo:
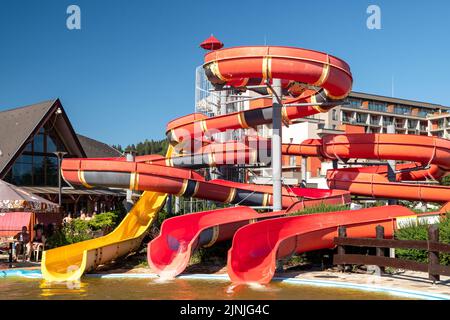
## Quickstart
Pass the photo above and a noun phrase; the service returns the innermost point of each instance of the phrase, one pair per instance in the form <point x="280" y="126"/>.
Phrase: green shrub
<point x="420" y="232"/>
<point x="80" y="230"/>
<point x="104" y="221"/>
<point x="321" y="208"/>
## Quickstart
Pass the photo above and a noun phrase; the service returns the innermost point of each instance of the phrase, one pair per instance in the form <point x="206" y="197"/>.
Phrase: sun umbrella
<point x="13" y="198"/>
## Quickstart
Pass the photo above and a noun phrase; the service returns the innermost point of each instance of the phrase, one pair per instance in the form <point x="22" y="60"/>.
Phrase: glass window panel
<point x="22" y="174"/>
<point x="54" y="143"/>
<point x="51" y="171"/>
<point x="39" y="143"/>
<point x="39" y="170"/>
<point x="29" y="147"/>
<point x="24" y="158"/>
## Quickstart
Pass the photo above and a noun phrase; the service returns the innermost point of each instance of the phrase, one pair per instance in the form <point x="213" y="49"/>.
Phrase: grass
<point x="321" y="208"/>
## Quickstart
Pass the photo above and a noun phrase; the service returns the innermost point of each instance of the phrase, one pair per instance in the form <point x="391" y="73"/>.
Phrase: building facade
<point x="361" y="113"/>
<point x="30" y="136"/>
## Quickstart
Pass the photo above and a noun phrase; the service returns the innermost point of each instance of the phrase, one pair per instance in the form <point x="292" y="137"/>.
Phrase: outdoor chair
<point x="39" y="249"/>
<point x="23" y="254"/>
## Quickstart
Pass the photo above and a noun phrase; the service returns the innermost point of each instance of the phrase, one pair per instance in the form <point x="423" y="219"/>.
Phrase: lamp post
<point x="59" y="155"/>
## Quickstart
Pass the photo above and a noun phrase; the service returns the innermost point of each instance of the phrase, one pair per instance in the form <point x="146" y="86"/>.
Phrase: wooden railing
<point x="432" y="245"/>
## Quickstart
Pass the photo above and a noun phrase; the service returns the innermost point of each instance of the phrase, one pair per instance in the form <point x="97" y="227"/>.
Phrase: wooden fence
<point x="432" y="245"/>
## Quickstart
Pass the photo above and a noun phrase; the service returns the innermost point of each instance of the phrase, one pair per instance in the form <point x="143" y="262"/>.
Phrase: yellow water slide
<point x="70" y="262"/>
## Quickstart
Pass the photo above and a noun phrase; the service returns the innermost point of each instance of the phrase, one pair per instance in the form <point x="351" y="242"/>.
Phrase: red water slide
<point x="429" y="157"/>
<point x="119" y="173"/>
<point x="169" y="253"/>
<point x="255" y="248"/>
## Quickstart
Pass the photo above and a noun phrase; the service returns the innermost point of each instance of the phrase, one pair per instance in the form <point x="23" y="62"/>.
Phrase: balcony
<point x="422" y="114"/>
<point x="412" y="126"/>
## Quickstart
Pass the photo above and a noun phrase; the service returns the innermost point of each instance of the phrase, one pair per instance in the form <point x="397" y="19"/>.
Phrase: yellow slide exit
<point x="70" y="262"/>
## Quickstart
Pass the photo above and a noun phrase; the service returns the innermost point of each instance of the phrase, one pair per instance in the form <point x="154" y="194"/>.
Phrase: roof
<point x="16" y="125"/>
<point x="361" y="95"/>
<point x="73" y="191"/>
<point x="97" y="149"/>
<point x="19" y="125"/>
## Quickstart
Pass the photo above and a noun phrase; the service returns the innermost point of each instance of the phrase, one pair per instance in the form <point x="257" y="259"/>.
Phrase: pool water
<point x="180" y="289"/>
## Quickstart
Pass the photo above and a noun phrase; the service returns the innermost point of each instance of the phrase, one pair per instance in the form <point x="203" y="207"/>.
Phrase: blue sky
<point x="131" y="67"/>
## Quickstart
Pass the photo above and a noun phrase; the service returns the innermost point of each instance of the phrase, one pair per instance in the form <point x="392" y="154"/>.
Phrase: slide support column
<point x="129" y="201"/>
<point x="276" y="144"/>
<point x="391" y="166"/>
<point x="304" y="172"/>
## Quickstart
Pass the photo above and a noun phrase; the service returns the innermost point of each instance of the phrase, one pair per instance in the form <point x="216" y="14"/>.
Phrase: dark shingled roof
<point x="19" y="125"/>
<point x="16" y="126"/>
<point x="97" y="149"/>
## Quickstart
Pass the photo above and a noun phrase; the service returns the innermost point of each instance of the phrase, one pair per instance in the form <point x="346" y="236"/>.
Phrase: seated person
<point x="50" y="230"/>
<point x="68" y="218"/>
<point x="22" y="241"/>
<point x="38" y="239"/>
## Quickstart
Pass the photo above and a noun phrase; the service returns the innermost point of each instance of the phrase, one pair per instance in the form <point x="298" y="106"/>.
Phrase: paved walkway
<point x="410" y="280"/>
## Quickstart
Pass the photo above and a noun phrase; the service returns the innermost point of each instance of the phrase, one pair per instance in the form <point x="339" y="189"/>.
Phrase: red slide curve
<point x="169" y="253"/>
<point x="255" y="249"/>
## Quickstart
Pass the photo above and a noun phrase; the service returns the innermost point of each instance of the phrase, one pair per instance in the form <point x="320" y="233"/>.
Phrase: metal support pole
<point x="224" y="135"/>
<point x="129" y="201"/>
<point x="60" y="155"/>
<point x="59" y="183"/>
<point x="391" y="165"/>
<point x="304" y="172"/>
<point x="169" y="205"/>
<point x="276" y="144"/>
<point x="177" y="205"/>
<point x="335" y="165"/>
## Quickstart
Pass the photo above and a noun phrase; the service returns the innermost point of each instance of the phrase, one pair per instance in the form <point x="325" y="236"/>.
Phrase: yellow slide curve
<point x="70" y="262"/>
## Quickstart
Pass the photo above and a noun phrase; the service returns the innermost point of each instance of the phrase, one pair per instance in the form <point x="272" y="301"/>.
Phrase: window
<point x="402" y="110"/>
<point x="361" y="118"/>
<point x="423" y="126"/>
<point x="293" y="161"/>
<point x="334" y="115"/>
<point x="375" y="120"/>
<point x="422" y="112"/>
<point x="387" y="121"/>
<point x="354" y="103"/>
<point x="412" y="124"/>
<point x="377" y="106"/>
<point x="38" y="166"/>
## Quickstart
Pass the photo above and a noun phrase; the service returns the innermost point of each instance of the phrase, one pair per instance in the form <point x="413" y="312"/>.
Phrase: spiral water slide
<point x="235" y="67"/>
<point x="168" y="254"/>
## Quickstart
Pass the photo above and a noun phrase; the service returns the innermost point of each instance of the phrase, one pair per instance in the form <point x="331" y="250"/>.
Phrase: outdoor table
<point x="10" y="243"/>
